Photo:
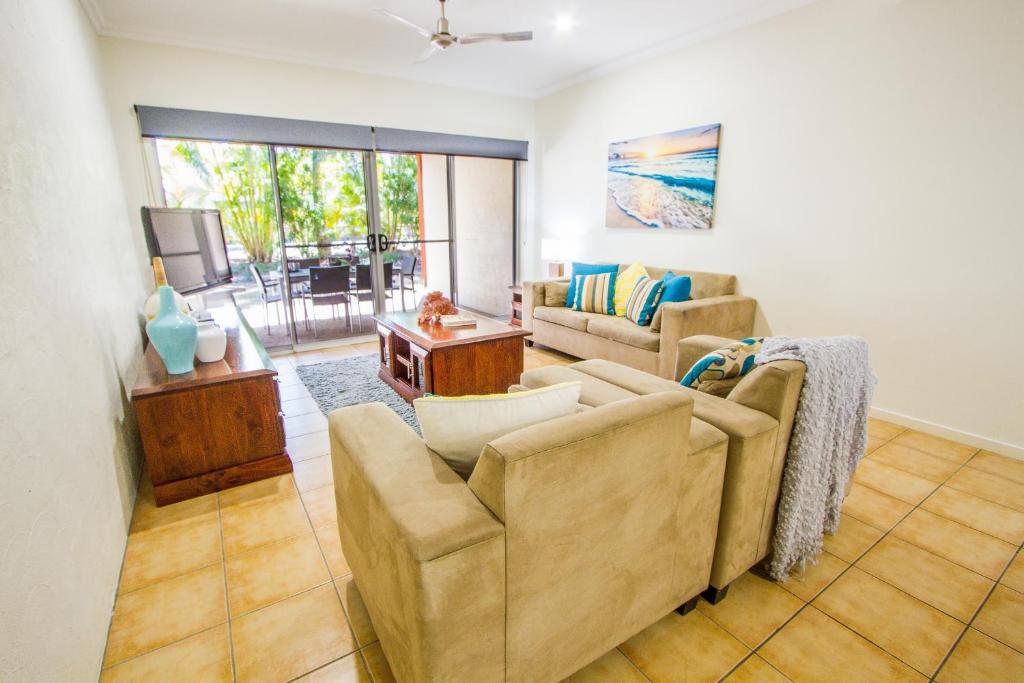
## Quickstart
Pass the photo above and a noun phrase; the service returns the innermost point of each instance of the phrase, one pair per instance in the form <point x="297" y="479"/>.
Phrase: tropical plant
<point x="399" y="198"/>
<point x="234" y="179"/>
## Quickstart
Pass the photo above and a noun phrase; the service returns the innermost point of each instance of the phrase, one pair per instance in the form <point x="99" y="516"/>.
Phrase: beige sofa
<point x="757" y="416"/>
<point x="714" y="308"/>
<point x="563" y="543"/>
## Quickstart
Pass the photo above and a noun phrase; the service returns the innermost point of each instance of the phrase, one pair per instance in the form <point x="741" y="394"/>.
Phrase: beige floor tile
<point x="934" y="445"/>
<point x="690" y="648"/>
<point x="164" y="551"/>
<point x="165" y="612"/>
<point x="321" y="506"/>
<point x="205" y="656"/>
<point x="894" y="482"/>
<point x="992" y="518"/>
<point x="300" y="406"/>
<point x="980" y="658"/>
<point x="1002" y="617"/>
<point x="942" y="584"/>
<point x="916" y="462"/>
<point x="249" y="526"/>
<point x="814" y="647"/>
<point x="313" y="473"/>
<point x="273" y="572"/>
<point x="993" y="463"/>
<point x="330" y="545"/>
<point x="913" y="631"/>
<point x="293" y="392"/>
<point x="756" y="670"/>
<point x="378" y="665"/>
<point x="148" y="516"/>
<point x="991" y="487"/>
<point x="308" y="446"/>
<point x="612" y="667"/>
<point x="963" y="545"/>
<point x="1014" y="576"/>
<point x="348" y="669"/>
<point x="753" y="609"/>
<point x="884" y="430"/>
<point x="258" y="491"/>
<point x="292" y="637"/>
<point x="355" y="608"/>
<point x="815" y="577"/>
<point x="873" y="444"/>
<point x="874" y="508"/>
<point x="304" y="424"/>
<point x="852" y="539"/>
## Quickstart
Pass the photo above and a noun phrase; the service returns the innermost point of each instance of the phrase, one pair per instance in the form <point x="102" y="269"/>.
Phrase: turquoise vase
<point x="174" y="334"/>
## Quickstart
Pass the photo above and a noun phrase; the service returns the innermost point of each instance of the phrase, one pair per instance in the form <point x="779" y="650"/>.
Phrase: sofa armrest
<point x="729" y="316"/>
<point x="428" y="558"/>
<point x="533" y="296"/>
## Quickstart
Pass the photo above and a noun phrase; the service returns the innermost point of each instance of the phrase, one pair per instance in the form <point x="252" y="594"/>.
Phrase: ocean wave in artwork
<point x="658" y="204"/>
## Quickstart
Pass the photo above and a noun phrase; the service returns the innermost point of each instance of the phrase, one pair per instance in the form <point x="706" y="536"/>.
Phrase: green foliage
<point x="235" y="179"/>
<point x="323" y="194"/>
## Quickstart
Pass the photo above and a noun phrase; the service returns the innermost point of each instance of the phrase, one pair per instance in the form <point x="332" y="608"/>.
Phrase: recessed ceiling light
<point x="564" y="22"/>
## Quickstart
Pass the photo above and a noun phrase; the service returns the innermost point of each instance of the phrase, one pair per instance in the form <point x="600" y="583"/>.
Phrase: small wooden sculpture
<point x="435" y="304"/>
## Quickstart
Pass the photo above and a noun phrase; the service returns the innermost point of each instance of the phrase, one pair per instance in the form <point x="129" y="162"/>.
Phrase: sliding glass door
<point x="321" y="239"/>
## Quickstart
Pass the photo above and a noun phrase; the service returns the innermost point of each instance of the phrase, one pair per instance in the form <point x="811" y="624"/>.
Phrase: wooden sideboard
<point x="216" y="427"/>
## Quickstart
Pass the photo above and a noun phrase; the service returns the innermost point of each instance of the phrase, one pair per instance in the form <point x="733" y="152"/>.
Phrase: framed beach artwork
<point x="663" y="181"/>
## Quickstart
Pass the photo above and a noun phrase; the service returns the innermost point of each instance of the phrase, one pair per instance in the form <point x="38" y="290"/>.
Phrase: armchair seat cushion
<point x="566" y="317"/>
<point x="625" y="331"/>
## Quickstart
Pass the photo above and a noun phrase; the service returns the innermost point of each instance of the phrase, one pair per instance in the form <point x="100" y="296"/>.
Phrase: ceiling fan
<point x="442" y="38"/>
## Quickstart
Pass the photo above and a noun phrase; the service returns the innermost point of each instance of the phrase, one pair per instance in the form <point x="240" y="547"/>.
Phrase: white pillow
<point x="459" y="427"/>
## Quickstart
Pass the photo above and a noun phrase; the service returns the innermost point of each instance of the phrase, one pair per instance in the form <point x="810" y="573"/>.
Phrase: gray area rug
<point x="351" y="381"/>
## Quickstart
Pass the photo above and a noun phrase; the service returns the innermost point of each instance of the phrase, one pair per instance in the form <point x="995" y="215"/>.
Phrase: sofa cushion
<point x="594" y="391"/>
<point x="595" y="293"/>
<point x="458" y="427"/>
<point x="586" y="269"/>
<point x="565" y="317"/>
<point x="732" y="360"/>
<point x="624" y="331"/>
<point x="644" y="300"/>
<point x="555" y="293"/>
<point x="625" y="283"/>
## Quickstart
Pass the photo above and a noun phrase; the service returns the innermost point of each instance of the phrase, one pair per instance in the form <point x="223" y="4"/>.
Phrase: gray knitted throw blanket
<point x="828" y="440"/>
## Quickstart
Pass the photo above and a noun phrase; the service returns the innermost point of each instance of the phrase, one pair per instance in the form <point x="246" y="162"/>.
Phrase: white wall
<point x="144" y="73"/>
<point x="484" y="233"/>
<point x="869" y="183"/>
<point x="71" y="286"/>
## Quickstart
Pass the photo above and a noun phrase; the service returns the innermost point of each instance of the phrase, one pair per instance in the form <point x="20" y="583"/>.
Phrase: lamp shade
<point x="551" y="249"/>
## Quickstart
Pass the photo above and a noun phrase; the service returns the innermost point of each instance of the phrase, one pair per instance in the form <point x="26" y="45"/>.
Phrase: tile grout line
<point x="227" y="601"/>
<point x="852" y="564"/>
<point x="977" y="612"/>
<point x="618" y="648"/>
<point x="753" y="651"/>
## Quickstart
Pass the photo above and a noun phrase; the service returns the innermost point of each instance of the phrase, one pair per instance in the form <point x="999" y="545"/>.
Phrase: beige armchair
<point x="757" y="416"/>
<point x="562" y="544"/>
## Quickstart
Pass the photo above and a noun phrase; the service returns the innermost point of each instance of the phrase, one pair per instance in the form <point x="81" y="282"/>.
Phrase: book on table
<point x="459" y="320"/>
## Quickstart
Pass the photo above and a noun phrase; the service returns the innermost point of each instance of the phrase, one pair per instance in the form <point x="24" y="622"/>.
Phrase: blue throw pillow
<point x="733" y="360"/>
<point x="585" y="269"/>
<point x="677" y="287"/>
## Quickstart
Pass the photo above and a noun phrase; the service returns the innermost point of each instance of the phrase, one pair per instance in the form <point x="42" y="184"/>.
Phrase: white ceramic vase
<point x="212" y="344"/>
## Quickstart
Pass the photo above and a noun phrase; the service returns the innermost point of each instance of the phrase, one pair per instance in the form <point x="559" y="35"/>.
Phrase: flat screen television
<point x="191" y="243"/>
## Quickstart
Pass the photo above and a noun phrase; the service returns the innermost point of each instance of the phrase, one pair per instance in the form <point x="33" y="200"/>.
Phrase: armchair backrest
<point x="588" y="500"/>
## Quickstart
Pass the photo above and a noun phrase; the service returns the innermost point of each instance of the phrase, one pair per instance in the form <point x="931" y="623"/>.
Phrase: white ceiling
<point x="348" y="34"/>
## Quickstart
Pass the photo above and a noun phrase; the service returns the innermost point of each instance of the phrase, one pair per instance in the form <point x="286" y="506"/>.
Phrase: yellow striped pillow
<point x="625" y="283"/>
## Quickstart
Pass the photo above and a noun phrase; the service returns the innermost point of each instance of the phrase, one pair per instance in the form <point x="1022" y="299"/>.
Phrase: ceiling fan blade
<point x="427" y="54"/>
<point x="471" y="38"/>
<point x="405" y="22"/>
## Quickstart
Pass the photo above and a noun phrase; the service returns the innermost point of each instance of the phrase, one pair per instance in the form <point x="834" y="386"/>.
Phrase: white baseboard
<point x="1007" y="449"/>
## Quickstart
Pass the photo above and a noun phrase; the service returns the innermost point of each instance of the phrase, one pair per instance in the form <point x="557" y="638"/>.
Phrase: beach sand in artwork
<point x="615" y="217"/>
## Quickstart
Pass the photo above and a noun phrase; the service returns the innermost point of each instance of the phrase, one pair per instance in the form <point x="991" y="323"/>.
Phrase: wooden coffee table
<point x="448" y="361"/>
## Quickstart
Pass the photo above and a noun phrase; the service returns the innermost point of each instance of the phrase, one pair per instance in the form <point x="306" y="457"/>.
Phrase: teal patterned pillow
<point x="643" y="302"/>
<point x="734" y="360"/>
